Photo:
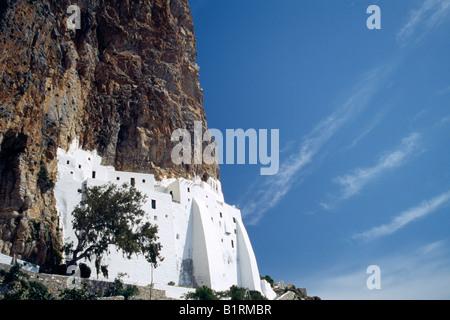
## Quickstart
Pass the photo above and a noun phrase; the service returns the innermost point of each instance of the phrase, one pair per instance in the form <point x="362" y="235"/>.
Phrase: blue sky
<point x="364" y="120"/>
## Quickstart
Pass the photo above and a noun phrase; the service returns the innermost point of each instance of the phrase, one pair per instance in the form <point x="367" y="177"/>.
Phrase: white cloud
<point x="423" y="19"/>
<point x="353" y="183"/>
<point x="375" y="121"/>
<point x="268" y="193"/>
<point x="422" y="273"/>
<point x="405" y="217"/>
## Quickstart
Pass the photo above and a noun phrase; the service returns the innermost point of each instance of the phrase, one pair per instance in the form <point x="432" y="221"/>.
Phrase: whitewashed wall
<point x="204" y="240"/>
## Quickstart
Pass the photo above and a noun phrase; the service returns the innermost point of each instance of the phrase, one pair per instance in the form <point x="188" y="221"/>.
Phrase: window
<point x="68" y="162"/>
<point x="232" y="243"/>
<point x="153" y="204"/>
<point x="155" y="218"/>
<point x="89" y="159"/>
<point x="178" y="236"/>
<point x="234" y="219"/>
<point x="93" y="174"/>
<point x="143" y="180"/>
<point x="71" y="172"/>
<point x="212" y="219"/>
<point x="189" y="189"/>
<point x="79" y="166"/>
<point x="79" y="190"/>
<point x="117" y="178"/>
<point x="220" y="213"/>
<point x="132" y="181"/>
<point x="235" y="232"/>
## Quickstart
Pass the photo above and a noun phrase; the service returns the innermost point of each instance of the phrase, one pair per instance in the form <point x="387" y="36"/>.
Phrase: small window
<point x="93" y="174"/>
<point x="89" y="159"/>
<point x="153" y="204"/>
<point x="71" y="172"/>
<point x="232" y="243"/>
<point x="220" y="213"/>
<point x="212" y="219"/>
<point x="235" y="232"/>
<point x="167" y="215"/>
<point x="117" y="178"/>
<point x="178" y="236"/>
<point x="132" y="181"/>
<point x="79" y="166"/>
<point x="143" y="180"/>
<point x="155" y="218"/>
<point x="79" y="190"/>
<point x="189" y="189"/>
<point x="68" y="162"/>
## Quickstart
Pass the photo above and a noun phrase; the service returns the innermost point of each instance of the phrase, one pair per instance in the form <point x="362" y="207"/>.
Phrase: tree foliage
<point x="118" y="288"/>
<point x="202" y="293"/>
<point x="234" y="293"/>
<point x="112" y="215"/>
<point x="15" y="286"/>
<point x="77" y="294"/>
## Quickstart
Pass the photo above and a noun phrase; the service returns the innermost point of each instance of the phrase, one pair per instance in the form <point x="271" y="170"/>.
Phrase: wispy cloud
<point x="375" y="121"/>
<point x="353" y="183"/>
<point x="269" y="192"/>
<point x="402" y="274"/>
<point x="422" y="20"/>
<point x="405" y="217"/>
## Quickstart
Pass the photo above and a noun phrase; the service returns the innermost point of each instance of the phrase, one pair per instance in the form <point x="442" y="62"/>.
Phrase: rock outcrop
<point x="120" y="85"/>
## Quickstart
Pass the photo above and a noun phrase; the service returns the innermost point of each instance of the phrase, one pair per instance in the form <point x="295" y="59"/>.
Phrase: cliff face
<point x="121" y="85"/>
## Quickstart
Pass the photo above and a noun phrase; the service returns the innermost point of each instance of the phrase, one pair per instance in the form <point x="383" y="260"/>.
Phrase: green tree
<point x="150" y="248"/>
<point x="202" y="293"/>
<point x="111" y="215"/>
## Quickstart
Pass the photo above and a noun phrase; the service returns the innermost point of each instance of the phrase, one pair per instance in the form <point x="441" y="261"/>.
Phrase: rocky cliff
<point x="120" y="85"/>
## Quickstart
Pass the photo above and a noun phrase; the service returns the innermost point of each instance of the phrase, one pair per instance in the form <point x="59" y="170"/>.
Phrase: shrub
<point x="38" y="291"/>
<point x="16" y="287"/>
<point x="201" y="293"/>
<point x="44" y="182"/>
<point x="256" y="295"/>
<point x="130" y="291"/>
<point x="234" y="293"/>
<point x="85" y="271"/>
<point x="119" y="289"/>
<point x="268" y="279"/>
<point x="77" y="294"/>
<point x="237" y="293"/>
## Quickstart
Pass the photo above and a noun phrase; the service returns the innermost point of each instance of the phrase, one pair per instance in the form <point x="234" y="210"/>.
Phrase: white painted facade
<point x="204" y="241"/>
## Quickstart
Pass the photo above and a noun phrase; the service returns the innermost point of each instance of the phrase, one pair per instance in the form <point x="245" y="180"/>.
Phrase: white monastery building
<point x="204" y="241"/>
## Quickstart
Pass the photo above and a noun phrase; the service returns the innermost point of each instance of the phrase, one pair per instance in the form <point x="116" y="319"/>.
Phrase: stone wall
<point x="56" y="283"/>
